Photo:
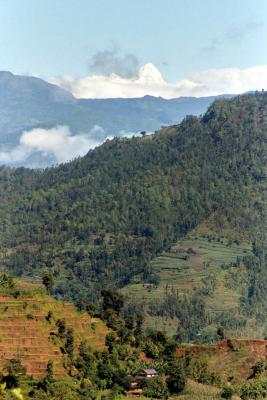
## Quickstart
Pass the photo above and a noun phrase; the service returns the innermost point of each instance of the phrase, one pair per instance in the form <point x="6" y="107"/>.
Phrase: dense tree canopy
<point x="99" y="220"/>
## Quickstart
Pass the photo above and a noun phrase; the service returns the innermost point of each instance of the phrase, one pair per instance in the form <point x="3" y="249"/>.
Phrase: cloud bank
<point x="149" y="81"/>
<point x="41" y="147"/>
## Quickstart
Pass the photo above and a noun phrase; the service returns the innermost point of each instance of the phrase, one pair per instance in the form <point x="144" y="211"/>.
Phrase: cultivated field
<point x="194" y="262"/>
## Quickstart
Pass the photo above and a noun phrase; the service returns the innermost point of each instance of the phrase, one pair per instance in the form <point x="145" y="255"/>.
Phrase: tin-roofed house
<point x="149" y="373"/>
<point x="136" y="381"/>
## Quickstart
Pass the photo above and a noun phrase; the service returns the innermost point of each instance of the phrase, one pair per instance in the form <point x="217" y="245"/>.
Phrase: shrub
<point x="227" y="392"/>
<point x="14" y="371"/>
<point x="49" y="316"/>
<point x="61" y="325"/>
<point x="253" y="390"/>
<point x="176" y="378"/>
<point x="69" y="346"/>
<point x="48" y="282"/>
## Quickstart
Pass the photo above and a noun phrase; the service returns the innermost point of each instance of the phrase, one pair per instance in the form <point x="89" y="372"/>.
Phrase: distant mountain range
<point x="27" y="103"/>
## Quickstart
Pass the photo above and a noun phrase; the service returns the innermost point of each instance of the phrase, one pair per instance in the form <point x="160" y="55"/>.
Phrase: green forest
<point x="100" y="221"/>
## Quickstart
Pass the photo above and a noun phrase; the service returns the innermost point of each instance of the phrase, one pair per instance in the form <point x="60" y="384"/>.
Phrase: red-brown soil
<point x="233" y="359"/>
<point x="25" y="333"/>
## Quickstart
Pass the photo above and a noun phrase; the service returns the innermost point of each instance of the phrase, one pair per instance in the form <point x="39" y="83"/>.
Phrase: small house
<point x="149" y="373"/>
<point x="136" y="387"/>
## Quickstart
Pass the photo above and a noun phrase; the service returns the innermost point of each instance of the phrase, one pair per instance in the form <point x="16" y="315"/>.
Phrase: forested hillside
<point x="100" y="220"/>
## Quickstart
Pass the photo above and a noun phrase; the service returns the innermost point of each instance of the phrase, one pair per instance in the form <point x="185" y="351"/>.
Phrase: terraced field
<point x="27" y="335"/>
<point x="231" y="357"/>
<point x="192" y="263"/>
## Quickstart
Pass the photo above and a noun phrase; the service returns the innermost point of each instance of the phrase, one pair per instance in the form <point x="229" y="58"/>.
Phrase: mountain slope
<point x="27" y="103"/>
<point x="101" y="219"/>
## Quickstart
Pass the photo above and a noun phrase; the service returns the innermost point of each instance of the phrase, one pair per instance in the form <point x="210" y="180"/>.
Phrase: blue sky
<point x="54" y="38"/>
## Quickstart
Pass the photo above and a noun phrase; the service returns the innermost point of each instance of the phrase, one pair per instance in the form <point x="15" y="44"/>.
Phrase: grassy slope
<point x="231" y="358"/>
<point x="210" y="252"/>
<point x="26" y="334"/>
<point x="192" y="391"/>
<point x="197" y="391"/>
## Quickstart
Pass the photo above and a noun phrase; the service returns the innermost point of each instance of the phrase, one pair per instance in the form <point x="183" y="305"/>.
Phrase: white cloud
<point x="56" y="144"/>
<point x="149" y="81"/>
<point x="57" y="141"/>
<point x="42" y="147"/>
